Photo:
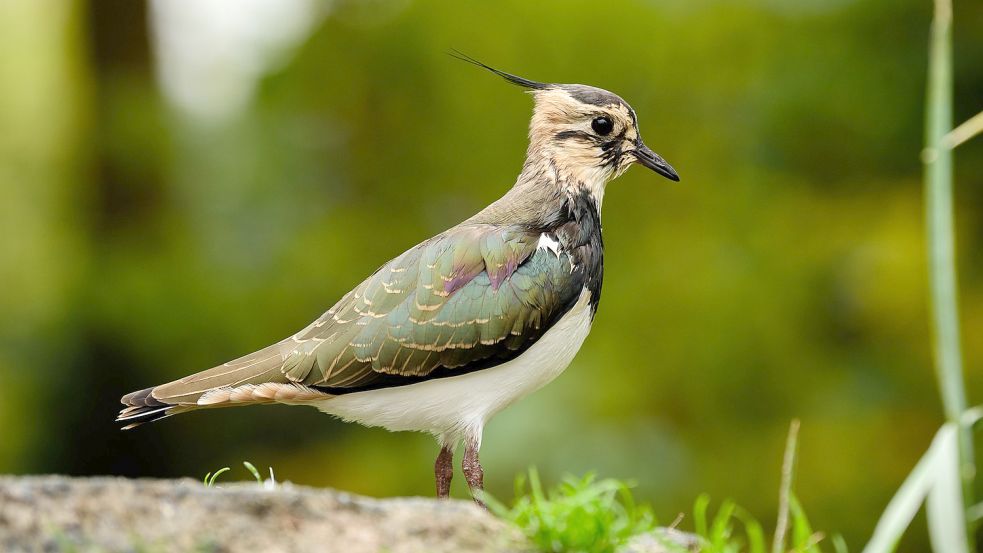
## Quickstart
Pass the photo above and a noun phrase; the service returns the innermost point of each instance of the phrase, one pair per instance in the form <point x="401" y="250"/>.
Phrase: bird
<point x="462" y="325"/>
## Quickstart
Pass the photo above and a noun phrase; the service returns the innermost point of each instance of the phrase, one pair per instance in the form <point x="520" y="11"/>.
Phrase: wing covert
<point x="472" y="296"/>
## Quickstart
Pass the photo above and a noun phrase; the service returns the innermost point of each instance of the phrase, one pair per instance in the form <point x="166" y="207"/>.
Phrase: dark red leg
<point x="473" y="472"/>
<point x="443" y="470"/>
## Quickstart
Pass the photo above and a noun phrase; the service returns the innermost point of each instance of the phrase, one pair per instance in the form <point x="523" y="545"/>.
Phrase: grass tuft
<point x="601" y="516"/>
<point x="580" y="514"/>
<point x="734" y="530"/>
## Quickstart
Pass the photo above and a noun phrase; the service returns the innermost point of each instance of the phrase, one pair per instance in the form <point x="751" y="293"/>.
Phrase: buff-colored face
<point x="590" y="133"/>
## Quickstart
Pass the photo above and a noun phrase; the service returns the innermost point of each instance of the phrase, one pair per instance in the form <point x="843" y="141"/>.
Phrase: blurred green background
<point x="186" y="181"/>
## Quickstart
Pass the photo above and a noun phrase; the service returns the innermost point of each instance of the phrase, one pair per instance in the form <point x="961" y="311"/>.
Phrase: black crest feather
<point x="514" y="79"/>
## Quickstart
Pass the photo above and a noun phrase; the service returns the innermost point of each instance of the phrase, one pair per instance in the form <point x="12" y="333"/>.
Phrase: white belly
<point x="457" y="407"/>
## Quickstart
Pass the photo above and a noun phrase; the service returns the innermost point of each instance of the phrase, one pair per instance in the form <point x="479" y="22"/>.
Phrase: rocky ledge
<point x="56" y="513"/>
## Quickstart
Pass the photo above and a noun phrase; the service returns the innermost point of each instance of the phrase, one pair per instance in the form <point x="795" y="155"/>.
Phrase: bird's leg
<point x="473" y="472"/>
<point x="443" y="470"/>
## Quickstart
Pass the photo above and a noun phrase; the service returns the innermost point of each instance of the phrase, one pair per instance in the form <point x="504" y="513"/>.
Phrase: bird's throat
<point x="592" y="180"/>
<point x="570" y="179"/>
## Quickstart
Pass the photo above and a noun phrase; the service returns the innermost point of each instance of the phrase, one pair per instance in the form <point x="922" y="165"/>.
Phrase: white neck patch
<point x="546" y="242"/>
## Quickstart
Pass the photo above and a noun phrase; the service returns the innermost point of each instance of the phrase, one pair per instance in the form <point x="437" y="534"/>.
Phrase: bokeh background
<point x="185" y="181"/>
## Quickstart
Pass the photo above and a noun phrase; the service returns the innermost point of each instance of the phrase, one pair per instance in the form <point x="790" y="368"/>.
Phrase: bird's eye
<point x="602" y="125"/>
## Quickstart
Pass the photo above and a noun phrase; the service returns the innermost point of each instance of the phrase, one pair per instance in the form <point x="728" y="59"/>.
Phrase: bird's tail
<point x="141" y="406"/>
<point x="253" y="379"/>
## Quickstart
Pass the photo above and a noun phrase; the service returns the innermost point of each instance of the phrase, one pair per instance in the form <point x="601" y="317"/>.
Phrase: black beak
<point x="645" y="156"/>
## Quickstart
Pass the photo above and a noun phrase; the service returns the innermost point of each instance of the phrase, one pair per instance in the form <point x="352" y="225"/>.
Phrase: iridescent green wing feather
<point x="474" y="296"/>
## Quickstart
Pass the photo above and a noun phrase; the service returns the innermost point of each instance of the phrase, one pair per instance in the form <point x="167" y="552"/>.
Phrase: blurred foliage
<point x="784" y="277"/>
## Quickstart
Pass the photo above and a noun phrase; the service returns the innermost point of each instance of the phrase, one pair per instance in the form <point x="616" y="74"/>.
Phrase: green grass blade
<point x="721" y="526"/>
<point x="946" y="518"/>
<point x="941" y="238"/>
<point x="210" y="482"/>
<point x="805" y="540"/>
<point x="943" y="285"/>
<point x="752" y="528"/>
<point x="700" y="514"/>
<point x="909" y="497"/>
<point x="252" y="469"/>
<point x="785" y="490"/>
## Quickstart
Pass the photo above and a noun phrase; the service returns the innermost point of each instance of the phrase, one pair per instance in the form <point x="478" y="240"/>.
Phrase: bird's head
<point x="586" y="133"/>
<point x="590" y="133"/>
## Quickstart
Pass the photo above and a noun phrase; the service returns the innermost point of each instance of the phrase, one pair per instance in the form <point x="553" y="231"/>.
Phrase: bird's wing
<point x="474" y="296"/>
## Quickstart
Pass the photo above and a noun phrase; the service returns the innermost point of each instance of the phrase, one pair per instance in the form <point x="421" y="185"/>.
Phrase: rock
<point x="54" y="513"/>
<point x="100" y="515"/>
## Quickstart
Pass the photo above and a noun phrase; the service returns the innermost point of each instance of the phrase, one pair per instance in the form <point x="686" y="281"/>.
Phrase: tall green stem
<point x="941" y="240"/>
